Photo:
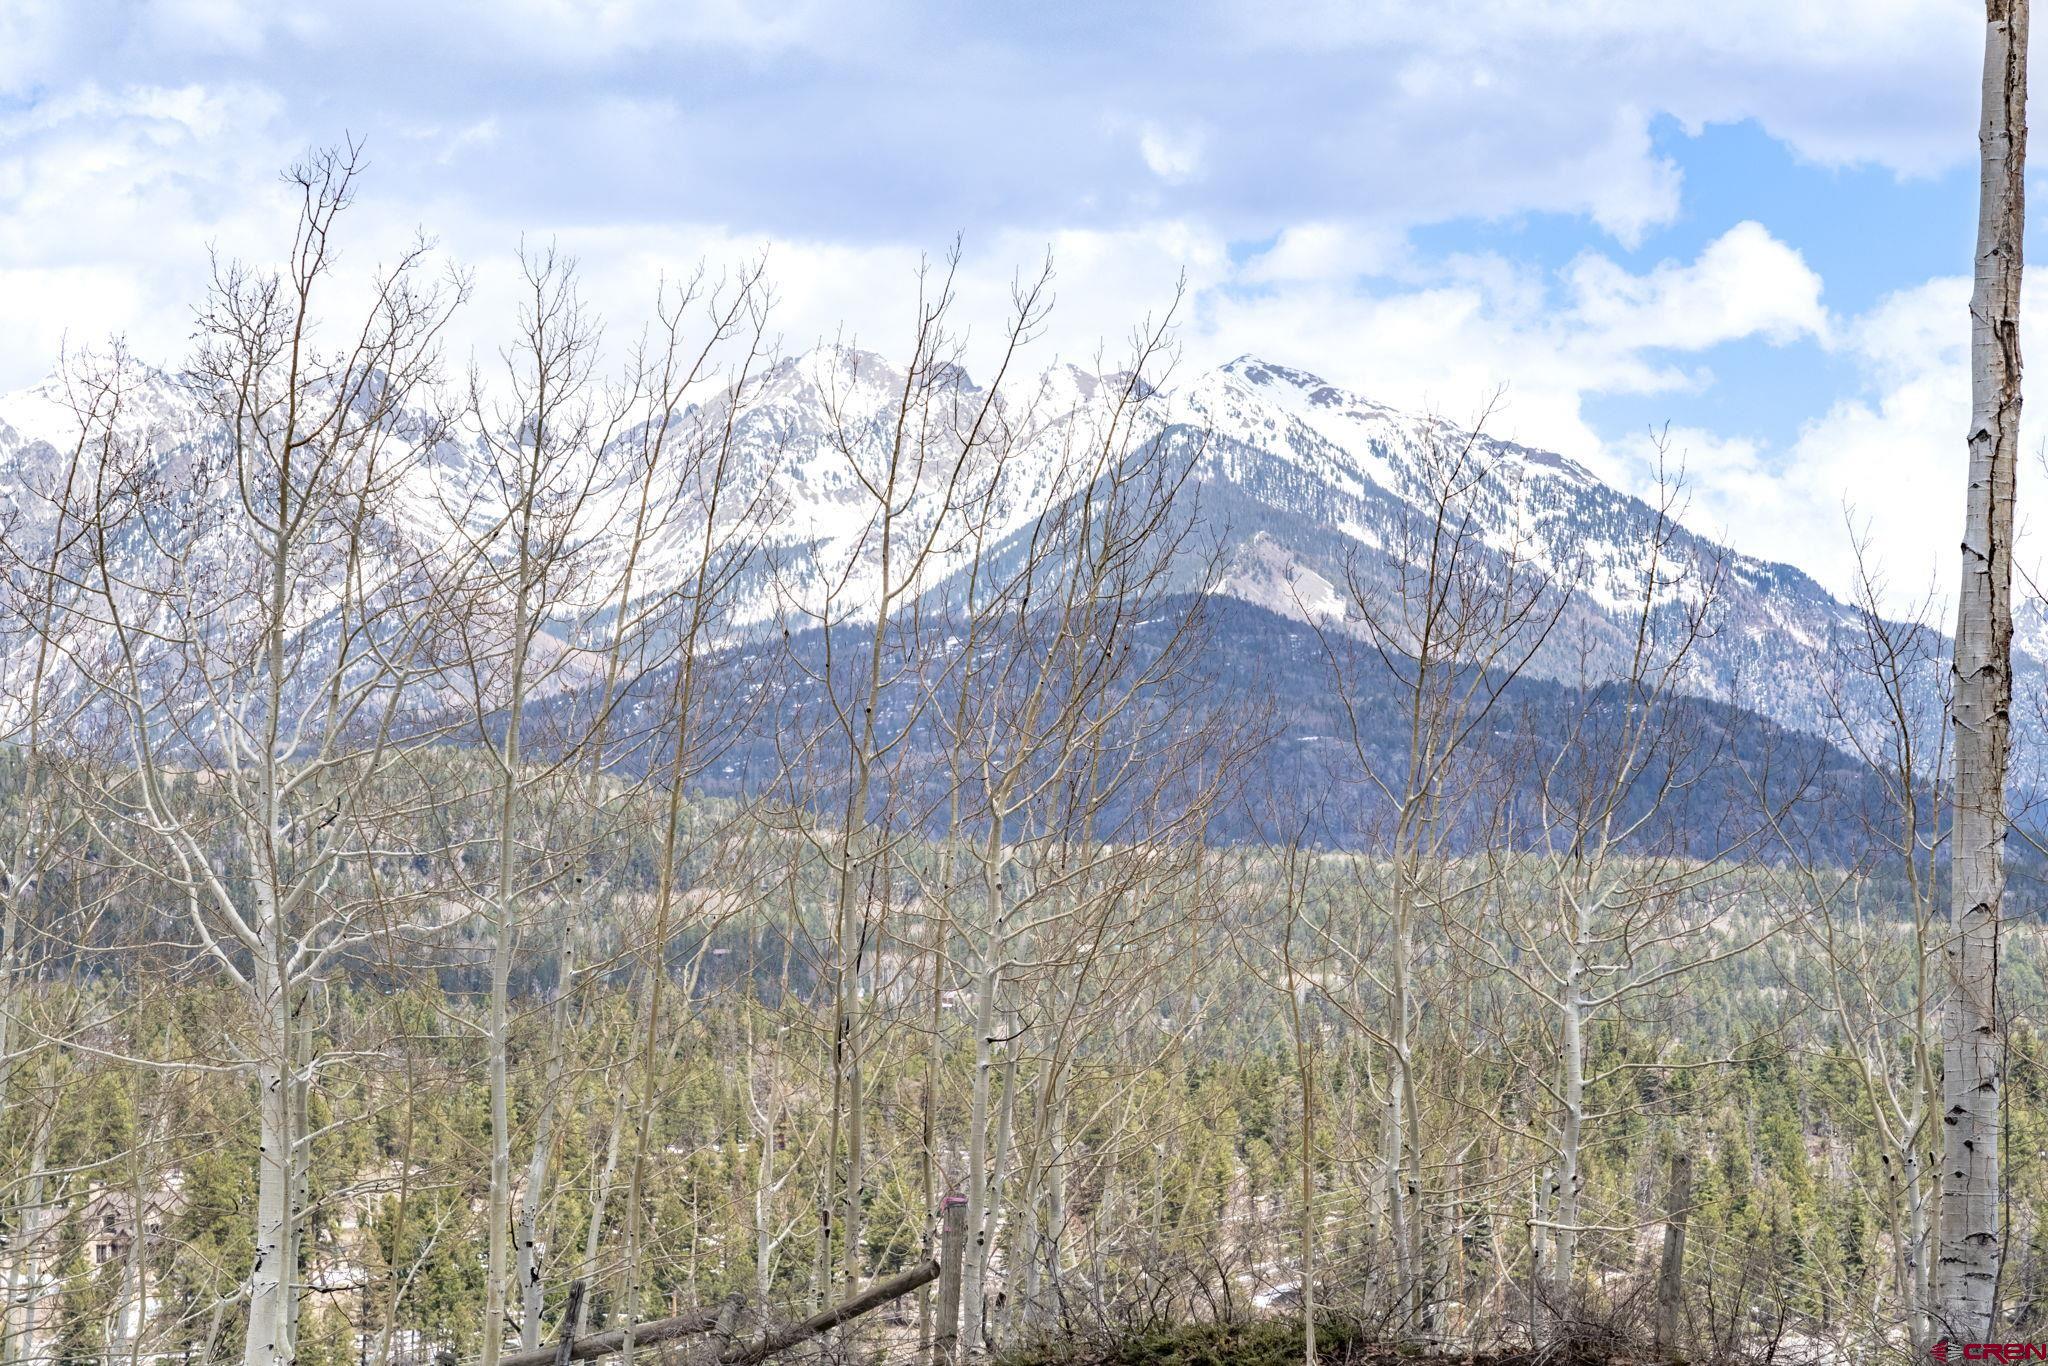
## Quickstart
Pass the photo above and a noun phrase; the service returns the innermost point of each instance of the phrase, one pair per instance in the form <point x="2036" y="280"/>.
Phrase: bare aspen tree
<point x="259" y="671"/>
<point x="913" y="469"/>
<point x="701" y="699"/>
<point x="1277" y="959"/>
<point x="42" y="581"/>
<point x="1972" y="1240"/>
<point x="1880" y="982"/>
<point x="557" y="527"/>
<point x="774" y="1120"/>
<point x="1064" y="702"/>
<point x="1452" y="616"/>
<point x="540" y="446"/>
<point x="1627" y="895"/>
<point x="650" y="490"/>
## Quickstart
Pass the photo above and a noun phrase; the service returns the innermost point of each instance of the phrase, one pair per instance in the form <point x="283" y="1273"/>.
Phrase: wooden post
<point x="571" y="1311"/>
<point x="729" y="1317"/>
<point x="1671" y="1273"/>
<point x="952" y="1247"/>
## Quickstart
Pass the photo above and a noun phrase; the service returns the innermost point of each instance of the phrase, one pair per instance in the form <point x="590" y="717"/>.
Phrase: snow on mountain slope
<point x="1307" y="486"/>
<point x="1316" y="483"/>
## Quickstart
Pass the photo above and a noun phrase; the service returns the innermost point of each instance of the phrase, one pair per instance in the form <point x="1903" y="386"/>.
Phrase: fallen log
<point x="788" y="1336"/>
<point x="613" y="1341"/>
<point x="707" y="1320"/>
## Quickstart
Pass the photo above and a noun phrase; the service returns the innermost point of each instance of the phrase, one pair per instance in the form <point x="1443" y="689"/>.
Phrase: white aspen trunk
<point x="1405" y="1115"/>
<point x="998" y="1176"/>
<point x="134" y="1298"/>
<point x="527" y="1265"/>
<point x="1055" y="1210"/>
<point x="1564" y="1201"/>
<point x="1971" y="1237"/>
<point x="988" y="983"/>
<point x="9" y="920"/>
<point x="300" y="1033"/>
<point x="636" y="1169"/>
<point x="1566" y="1180"/>
<point x="500" y="1215"/>
<point x="1379" y="1215"/>
<point x="852" y="919"/>
<point x="766" y="1120"/>
<point x="271" y="1280"/>
<point x="1922" y="1196"/>
<point x="600" y="1196"/>
<point x="1023" y="1303"/>
<point x="1026" y="1303"/>
<point x="1912" y="1239"/>
<point x="764" y="1237"/>
<point x="1309" y="1230"/>
<point x="1402" y="1137"/>
<point x="394" y="1283"/>
<point x="1539" y="1245"/>
<point x="847" y="1098"/>
<point x="29" y="1220"/>
<point x="497" y="1215"/>
<point x="850" y="1045"/>
<point x="1418" y="1289"/>
<point x="527" y="1268"/>
<point x="1402" y="1183"/>
<point x="1098" y="1273"/>
<point x="934" y="1064"/>
<point x="1396" y="1202"/>
<point x="821" y="1270"/>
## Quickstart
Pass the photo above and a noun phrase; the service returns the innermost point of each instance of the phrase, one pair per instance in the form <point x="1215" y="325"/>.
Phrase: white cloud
<point x="1843" y="81"/>
<point x="109" y="198"/>
<point x="1325" y="251"/>
<point x="1285" y="111"/>
<point x="1746" y="283"/>
<point x="1629" y="188"/>
<point x="41" y="305"/>
<point x="1175" y="157"/>
<point x="1886" y="462"/>
<point x="109" y="201"/>
<point x="1455" y="332"/>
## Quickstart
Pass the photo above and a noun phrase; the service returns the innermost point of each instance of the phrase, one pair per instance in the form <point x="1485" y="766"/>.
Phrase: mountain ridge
<point x="1304" y="487"/>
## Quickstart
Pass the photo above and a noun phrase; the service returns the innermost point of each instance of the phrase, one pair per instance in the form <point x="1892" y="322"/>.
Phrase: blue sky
<point x="1748" y="220"/>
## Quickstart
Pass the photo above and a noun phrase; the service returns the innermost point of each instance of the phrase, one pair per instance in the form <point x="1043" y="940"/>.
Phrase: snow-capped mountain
<point x="1305" y="489"/>
<point x="1322" y="486"/>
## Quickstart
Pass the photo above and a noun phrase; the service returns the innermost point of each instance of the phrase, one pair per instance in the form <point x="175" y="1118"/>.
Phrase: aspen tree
<point x="540" y="447"/>
<point x="1451" y="618"/>
<point x="1971" y="1244"/>
<point x="1882" y="989"/>
<point x="260" y="671"/>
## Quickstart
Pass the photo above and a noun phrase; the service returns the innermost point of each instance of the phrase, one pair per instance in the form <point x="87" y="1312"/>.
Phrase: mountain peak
<point x="1307" y="395"/>
<point x="1257" y="370"/>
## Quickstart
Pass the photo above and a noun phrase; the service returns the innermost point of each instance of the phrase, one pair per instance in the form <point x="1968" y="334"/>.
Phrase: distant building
<point x="109" y="1221"/>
